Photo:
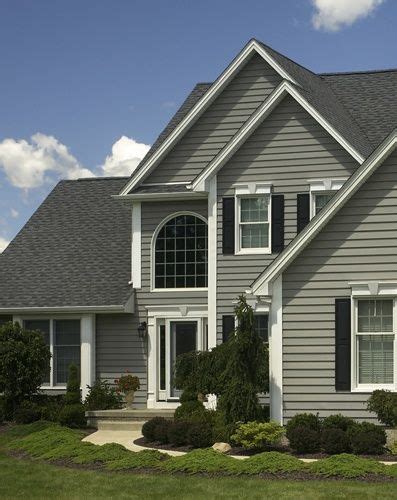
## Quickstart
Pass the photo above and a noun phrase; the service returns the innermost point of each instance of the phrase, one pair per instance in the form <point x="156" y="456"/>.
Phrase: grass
<point x="36" y="479"/>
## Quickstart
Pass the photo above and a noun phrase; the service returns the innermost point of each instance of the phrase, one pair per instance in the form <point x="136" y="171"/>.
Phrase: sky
<point x="86" y="86"/>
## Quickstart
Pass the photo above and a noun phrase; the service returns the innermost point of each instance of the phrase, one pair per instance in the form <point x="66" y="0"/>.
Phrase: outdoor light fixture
<point x="142" y="330"/>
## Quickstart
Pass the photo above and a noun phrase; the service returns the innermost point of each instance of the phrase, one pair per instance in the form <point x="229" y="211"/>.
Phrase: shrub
<point x="271" y="462"/>
<point x="199" y="461"/>
<point x="307" y="420"/>
<point x="102" y="397"/>
<point x="367" y="438"/>
<point x="258" y="435"/>
<point x="188" y="395"/>
<point x="304" y="439"/>
<point x="73" y="393"/>
<point x="26" y="413"/>
<point x="142" y="460"/>
<point x="161" y="431"/>
<point x="200" y="435"/>
<point x="177" y="432"/>
<point x="148" y="428"/>
<point x="335" y="441"/>
<point x="347" y="466"/>
<point x="337" y="422"/>
<point x="222" y="431"/>
<point x="50" y="409"/>
<point x="73" y="415"/>
<point x="189" y="409"/>
<point x="393" y="448"/>
<point x="384" y="404"/>
<point x="24" y="362"/>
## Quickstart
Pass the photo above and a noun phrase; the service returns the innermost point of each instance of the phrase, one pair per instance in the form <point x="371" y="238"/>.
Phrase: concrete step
<point x="119" y="425"/>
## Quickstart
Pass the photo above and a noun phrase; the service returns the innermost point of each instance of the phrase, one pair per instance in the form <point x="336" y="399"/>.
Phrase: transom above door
<point x="176" y="337"/>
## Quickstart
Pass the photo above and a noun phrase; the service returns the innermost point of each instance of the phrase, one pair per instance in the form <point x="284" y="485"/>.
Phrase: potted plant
<point x="128" y="384"/>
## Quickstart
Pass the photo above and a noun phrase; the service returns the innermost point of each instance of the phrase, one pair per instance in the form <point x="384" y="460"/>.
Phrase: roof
<point x="74" y="251"/>
<point x="361" y="106"/>
<point x="262" y="285"/>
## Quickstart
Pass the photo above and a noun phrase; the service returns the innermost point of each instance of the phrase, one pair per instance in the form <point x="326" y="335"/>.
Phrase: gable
<point x="290" y="146"/>
<point x="217" y="125"/>
<point x="358" y="243"/>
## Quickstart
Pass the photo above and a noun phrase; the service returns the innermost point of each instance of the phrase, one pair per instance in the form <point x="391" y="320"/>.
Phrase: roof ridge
<point x="360" y="72"/>
<point x="96" y="178"/>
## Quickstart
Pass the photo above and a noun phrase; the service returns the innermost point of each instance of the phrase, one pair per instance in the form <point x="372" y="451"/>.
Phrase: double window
<point x="63" y="338"/>
<point x="253" y="216"/>
<point x="375" y="343"/>
<point x="180" y="253"/>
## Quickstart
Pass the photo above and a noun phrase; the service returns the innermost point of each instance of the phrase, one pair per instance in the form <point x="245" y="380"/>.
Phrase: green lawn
<point x="29" y="479"/>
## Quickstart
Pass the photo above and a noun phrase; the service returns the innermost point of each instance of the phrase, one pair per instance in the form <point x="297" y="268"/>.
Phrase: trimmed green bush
<point x="73" y="393"/>
<point x="189" y="409"/>
<point x="27" y="412"/>
<point x="73" y="415"/>
<point x="384" y="404"/>
<point x="347" y="466"/>
<point x="199" y="435"/>
<point x="258" y="435"/>
<point x="367" y="439"/>
<point x="304" y="440"/>
<point x="101" y="396"/>
<point x="271" y="462"/>
<point x="304" y="420"/>
<point x="161" y="431"/>
<point x="335" y="441"/>
<point x="337" y="422"/>
<point x="145" y="459"/>
<point x="177" y="432"/>
<point x="148" y="428"/>
<point x="188" y="395"/>
<point x="198" y="461"/>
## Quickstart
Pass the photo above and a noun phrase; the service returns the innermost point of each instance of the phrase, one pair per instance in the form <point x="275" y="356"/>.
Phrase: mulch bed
<point x="242" y="452"/>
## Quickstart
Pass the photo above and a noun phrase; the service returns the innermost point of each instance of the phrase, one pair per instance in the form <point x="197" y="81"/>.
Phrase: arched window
<point x="180" y="253"/>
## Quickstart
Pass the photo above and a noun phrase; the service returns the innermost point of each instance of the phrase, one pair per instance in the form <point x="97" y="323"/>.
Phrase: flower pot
<point x="129" y="399"/>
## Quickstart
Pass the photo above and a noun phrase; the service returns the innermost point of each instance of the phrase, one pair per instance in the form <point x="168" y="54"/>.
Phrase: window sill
<point x="53" y="388"/>
<point x="254" y="251"/>
<point x="370" y="388"/>
<point x="155" y="290"/>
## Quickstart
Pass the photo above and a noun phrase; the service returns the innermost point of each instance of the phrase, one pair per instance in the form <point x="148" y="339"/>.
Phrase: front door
<point x="175" y="337"/>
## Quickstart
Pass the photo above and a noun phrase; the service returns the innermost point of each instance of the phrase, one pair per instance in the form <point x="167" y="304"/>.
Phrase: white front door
<point x="176" y="337"/>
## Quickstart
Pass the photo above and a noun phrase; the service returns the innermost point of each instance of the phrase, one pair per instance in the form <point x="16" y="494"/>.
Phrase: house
<point x="273" y="182"/>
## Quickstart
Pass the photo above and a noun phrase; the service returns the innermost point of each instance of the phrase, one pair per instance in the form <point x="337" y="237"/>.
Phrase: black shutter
<point x="277" y="223"/>
<point x="227" y="326"/>
<point x="228" y="226"/>
<point x="303" y="211"/>
<point x="342" y="344"/>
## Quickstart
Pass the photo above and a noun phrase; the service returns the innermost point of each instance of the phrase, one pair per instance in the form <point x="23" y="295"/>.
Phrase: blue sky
<point x="80" y="75"/>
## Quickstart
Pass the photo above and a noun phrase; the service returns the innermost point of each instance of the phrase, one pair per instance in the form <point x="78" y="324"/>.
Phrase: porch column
<point x="276" y="352"/>
<point x="87" y="338"/>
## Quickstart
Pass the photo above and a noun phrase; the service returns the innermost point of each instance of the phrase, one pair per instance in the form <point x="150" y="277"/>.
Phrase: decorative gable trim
<point x="263" y="284"/>
<point x="373" y="288"/>
<point x="253" y="122"/>
<point x="216" y="88"/>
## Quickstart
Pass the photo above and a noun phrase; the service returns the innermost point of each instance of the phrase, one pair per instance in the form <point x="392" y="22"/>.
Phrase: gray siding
<point x="289" y="148"/>
<point x="360" y="243"/>
<point x="219" y="123"/>
<point x="118" y="348"/>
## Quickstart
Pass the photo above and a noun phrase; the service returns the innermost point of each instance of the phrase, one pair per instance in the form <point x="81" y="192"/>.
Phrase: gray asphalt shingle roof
<point x="74" y="251"/>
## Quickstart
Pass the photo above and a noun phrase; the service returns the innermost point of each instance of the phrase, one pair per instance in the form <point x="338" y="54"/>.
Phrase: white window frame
<point x="251" y="190"/>
<point x="323" y="186"/>
<point x="153" y="254"/>
<point x="356" y="387"/>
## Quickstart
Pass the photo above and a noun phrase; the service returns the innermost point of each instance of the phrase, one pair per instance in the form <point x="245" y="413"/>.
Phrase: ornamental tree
<point x="24" y="363"/>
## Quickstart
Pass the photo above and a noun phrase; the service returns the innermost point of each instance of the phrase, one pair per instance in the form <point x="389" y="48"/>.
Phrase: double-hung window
<point x="253" y="224"/>
<point x="261" y="322"/>
<point x="319" y="201"/>
<point x="374" y="344"/>
<point x="63" y="338"/>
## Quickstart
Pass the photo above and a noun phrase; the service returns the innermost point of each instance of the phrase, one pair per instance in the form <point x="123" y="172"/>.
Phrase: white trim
<point x="355" y="334"/>
<point x="276" y="353"/>
<point x="212" y="262"/>
<point x="252" y="188"/>
<point x="185" y="195"/>
<point x="156" y="315"/>
<point x="136" y="246"/>
<point x="87" y="352"/>
<point x="202" y="104"/>
<point x="261" y="285"/>
<point x="238" y="249"/>
<point x="253" y="122"/>
<point x="152" y="253"/>
<point x="321" y="187"/>
<point x="373" y="288"/>
<point x="65" y="309"/>
<point x="153" y="184"/>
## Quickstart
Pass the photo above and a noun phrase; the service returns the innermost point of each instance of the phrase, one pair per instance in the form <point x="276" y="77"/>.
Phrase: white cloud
<point x="31" y="164"/>
<point x="332" y="15"/>
<point x="3" y="244"/>
<point x="14" y="213"/>
<point x="125" y="157"/>
<point x="168" y="104"/>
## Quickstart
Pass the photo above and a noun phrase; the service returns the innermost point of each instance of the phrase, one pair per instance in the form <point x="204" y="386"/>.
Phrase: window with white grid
<point x="254" y="223"/>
